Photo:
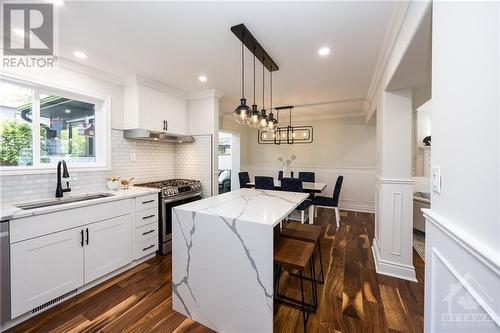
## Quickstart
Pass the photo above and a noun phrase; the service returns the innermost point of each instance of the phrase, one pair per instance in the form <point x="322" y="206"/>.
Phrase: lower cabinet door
<point x="109" y="246"/>
<point x="45" y="268"/>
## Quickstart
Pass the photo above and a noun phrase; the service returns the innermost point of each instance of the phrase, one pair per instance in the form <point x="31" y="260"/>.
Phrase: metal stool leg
<point x="302" y="302"/>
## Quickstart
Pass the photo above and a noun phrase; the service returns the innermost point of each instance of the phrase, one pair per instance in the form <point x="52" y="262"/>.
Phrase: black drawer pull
<point x="148" y="232"/>
<point x="148" y="201"/>
<point x="148" y="216"/>
<point x="149" y="247"/>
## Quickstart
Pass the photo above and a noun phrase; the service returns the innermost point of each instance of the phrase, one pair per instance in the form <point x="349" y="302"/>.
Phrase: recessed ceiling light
<point x="324" y="51"/>
<point x="67" y="111"/>
<point x="202" y="78"/>
<point x="58" y="2"/>
<point x="80" y="55"/>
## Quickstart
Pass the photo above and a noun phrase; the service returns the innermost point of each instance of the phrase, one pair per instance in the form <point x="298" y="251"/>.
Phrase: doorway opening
<point x="228" y="161"/>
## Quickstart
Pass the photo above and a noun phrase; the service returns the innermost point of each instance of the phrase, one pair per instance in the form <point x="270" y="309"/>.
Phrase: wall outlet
<point x="436" y="179"/>
<point x="133" y="157"/>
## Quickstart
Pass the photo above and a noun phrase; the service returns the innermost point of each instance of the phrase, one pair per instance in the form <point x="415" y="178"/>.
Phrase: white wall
<point x="340" y="143"/>
<point x="340" y="147"/>
<point x="463" y="226"/>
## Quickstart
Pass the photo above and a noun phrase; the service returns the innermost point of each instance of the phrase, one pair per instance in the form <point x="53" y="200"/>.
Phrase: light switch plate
<point x="133" y="157"/>
<point x="436" y="178"/>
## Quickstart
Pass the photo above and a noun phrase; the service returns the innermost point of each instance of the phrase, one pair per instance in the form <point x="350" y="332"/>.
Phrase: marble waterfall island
<point x="222" y="258"/>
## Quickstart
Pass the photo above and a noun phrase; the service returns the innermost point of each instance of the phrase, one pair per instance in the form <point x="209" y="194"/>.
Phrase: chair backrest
<point x="291" y="185"/>
<point x="307" y="176"/>
<point x="280" y="174"/>
<point x="336" y="191"/>
<point x="264" y="183"/>
<point x="244" y="179"/>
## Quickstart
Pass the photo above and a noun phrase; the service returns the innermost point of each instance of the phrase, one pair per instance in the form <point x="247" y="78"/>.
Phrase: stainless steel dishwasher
<point x="4" y="273"/>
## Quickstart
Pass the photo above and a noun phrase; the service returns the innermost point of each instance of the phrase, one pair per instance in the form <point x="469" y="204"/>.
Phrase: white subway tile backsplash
<point x="155" y="161"/>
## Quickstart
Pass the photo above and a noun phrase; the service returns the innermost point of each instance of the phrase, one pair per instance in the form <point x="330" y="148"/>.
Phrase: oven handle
<point x="186" y="196"/>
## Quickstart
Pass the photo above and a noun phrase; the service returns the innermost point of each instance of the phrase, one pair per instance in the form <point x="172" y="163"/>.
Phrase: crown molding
<point x="143" y="81"/>
<point x="204" y="94"/>
<point x="391" y="36"/>
<point x="344" y="115"/>
<point x="72" y="66"/>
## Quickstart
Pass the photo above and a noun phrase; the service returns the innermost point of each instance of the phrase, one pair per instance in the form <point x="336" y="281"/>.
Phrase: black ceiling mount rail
<point x="246" y="37"/>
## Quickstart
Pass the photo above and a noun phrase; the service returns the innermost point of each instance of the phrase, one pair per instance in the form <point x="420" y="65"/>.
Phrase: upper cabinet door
<point x="108" y="246"/>
<point x="155" y="110"/>
<point x="44" y="268"/>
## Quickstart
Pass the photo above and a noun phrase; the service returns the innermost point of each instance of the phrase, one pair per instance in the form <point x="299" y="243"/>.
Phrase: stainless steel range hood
<point x="142" y="134"/>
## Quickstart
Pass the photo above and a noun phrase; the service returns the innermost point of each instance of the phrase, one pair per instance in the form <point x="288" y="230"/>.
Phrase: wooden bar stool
<point x="307" y="233"/>
<point x="295" y="254"/>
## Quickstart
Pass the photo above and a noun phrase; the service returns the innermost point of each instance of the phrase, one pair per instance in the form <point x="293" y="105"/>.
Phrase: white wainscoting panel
<point x="358" y="188"/>
<point x="462" y="280"/>
<point x="392" y="247"/>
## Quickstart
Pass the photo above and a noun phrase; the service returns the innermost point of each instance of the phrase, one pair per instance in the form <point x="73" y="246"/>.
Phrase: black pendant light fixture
<point x="271" y="121"/>
<point x="286" y="134"/>
<point x="263" y="118"/>
<point x="242" y="111"/>
<point x="255" y="116"/>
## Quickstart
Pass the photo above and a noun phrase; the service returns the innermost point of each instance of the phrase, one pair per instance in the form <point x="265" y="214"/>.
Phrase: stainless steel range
<point x="174" y="192"/>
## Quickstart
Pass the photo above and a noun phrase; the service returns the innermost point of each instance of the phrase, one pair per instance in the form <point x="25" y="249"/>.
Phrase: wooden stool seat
<point x="293" y="254"/>
<point x="305" y="232"/>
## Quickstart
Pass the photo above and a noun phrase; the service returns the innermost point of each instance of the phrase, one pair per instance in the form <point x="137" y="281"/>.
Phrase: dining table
<point x="312" y="187"/>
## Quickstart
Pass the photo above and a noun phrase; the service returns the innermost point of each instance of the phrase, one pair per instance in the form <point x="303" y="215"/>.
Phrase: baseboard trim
<point x="390" y="268"/>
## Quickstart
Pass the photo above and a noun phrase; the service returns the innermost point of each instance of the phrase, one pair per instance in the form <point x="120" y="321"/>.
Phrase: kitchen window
<point x="39" y="126"/>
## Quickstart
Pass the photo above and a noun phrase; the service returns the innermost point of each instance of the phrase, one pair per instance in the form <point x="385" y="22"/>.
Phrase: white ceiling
<point x="175" y="42"/>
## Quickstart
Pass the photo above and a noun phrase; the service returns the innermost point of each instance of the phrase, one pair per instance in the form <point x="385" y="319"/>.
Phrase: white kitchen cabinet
<point x="108" y="247"/>
<point x="153" y="109"/>
<point x="44" y="268"/>
<point x="47" y="267"/>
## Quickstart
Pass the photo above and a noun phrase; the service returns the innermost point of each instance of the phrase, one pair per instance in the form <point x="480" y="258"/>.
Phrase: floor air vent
<point x="54" y="301"/>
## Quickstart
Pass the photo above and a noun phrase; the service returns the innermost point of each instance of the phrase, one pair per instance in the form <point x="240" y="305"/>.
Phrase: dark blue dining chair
<point x="264" y="183"/>
<point x="244" y="179"/>
<point x="333" y="202"/>
<point x="295" y="185"/>
<point x="280" y="174"/>
<point x="308" y="177"/>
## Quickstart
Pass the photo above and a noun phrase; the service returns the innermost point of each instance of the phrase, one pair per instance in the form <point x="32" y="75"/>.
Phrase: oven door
<point x="167" y="204"/>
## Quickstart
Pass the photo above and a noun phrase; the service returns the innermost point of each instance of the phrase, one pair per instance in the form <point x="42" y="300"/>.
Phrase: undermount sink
<point x="61" y="201"/>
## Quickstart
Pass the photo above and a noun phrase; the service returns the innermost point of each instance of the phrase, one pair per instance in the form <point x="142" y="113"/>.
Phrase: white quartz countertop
<point x="251" y="205"/>
<point x="10" y="212"/>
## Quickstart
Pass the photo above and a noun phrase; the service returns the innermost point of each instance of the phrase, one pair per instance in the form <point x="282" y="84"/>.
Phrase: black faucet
<point x="65" y="174"/>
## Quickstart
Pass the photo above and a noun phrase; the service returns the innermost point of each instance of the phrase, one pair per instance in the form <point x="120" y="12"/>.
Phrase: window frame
<point x="102" y="128"/>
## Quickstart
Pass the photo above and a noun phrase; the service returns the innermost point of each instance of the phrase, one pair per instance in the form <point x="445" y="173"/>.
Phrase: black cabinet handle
<point x="148" y="217"/>
<point x="166" y="125"/>
<point x="145" y="202"/>
<point x="148" y="247"/>
<point x="81" y="242"/>
<point x="148" y="232"/>
<point x="87" y="231"/>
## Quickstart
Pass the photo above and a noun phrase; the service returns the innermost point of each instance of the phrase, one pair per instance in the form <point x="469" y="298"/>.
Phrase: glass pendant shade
<point x="263" y="120"/>
<point x="255" y="117"/>
<point x="242" y="112"/>
<point x="271" y="122"/>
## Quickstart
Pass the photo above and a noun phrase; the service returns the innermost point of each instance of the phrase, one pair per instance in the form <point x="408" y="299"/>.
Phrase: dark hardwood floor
<point x="353" y="299"/>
